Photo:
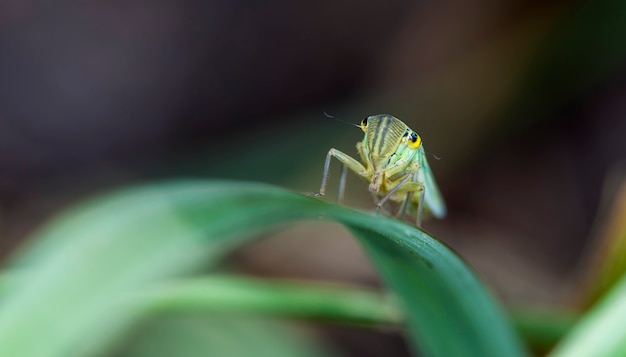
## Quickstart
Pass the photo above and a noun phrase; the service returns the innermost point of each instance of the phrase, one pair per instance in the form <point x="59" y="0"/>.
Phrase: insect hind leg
<point x="420" y="207"/>
<point x="405" y="205"/>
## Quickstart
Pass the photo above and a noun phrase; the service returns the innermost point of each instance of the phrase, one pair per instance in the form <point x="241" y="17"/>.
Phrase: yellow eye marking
<point x="363" y="124"/>
<point x="413" y="140"/>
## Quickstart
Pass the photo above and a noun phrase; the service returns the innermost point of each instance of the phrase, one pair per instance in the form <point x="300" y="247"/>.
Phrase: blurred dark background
<point x="523" y="101"/>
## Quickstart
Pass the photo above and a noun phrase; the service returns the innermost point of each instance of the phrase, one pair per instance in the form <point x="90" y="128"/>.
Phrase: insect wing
<point x="432" y="196"/>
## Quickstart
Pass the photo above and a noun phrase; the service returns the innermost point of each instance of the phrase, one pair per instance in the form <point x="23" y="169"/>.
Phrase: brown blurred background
<point x="523" y="101"/>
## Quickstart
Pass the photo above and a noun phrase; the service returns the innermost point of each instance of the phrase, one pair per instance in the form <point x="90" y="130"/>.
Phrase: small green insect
<point x="394" y="163"/>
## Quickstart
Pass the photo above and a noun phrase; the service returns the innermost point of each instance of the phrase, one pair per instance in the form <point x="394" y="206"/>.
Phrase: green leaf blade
<point x="600" y="332"/>
<point x="88" y="260"/>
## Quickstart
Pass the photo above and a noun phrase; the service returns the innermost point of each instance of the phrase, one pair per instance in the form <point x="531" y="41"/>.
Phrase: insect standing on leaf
<point x="393" y="162"/>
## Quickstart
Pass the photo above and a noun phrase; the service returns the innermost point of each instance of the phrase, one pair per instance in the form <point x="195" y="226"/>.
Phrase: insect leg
<point x="420" y="207"/>
<point x="391" y="192"/>
<point x="348" y="163"/>
<point x="401" y="175"/>
<point x="405" y="205"/>
<point x="376" y="199"/>
<point x="421" y="190"/>
<point x="342" y="183"/>
<point x="415" y="186"/>
<point x="411" y="188"/>
<point x="361" y="151"/>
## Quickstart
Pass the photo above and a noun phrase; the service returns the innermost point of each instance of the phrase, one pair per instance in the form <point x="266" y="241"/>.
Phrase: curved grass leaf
<point x="606" y="262"/>
<point x="600" y="332"/>
<point x="228" y="294"/>
<point x="80" y="270"/>
<point x="236" y="336"/>
<point x="541" y="328"/>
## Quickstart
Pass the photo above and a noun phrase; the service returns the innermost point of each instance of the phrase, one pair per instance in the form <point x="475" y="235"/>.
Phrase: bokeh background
<point x="521" y="104"/>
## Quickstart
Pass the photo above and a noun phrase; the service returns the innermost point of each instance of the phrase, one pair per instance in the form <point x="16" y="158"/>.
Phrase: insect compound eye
<point x="364" y="124"/>
<point x="414" y="140"/>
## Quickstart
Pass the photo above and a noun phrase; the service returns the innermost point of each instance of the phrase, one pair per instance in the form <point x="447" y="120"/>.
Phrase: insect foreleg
<point x="392" y="191"/>
<point x="361" y="151"/>
<point x="383" y="205"/>
<point x="348" y="163"/>
<point x="410" y="188"/>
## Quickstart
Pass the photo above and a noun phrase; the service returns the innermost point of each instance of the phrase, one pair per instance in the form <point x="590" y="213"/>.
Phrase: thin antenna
<point x="434" y="156"/>
<point x="339" y="120"/>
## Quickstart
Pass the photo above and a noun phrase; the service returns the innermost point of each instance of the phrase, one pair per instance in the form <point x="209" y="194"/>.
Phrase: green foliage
<point x="107" y="278"/>
<point x="601" y="331"/>
<point x="80" y="277"/>
<point x="236" y="336"/>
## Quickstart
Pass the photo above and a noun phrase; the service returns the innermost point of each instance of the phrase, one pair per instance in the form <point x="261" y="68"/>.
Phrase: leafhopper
<point x="393" y="162"/>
